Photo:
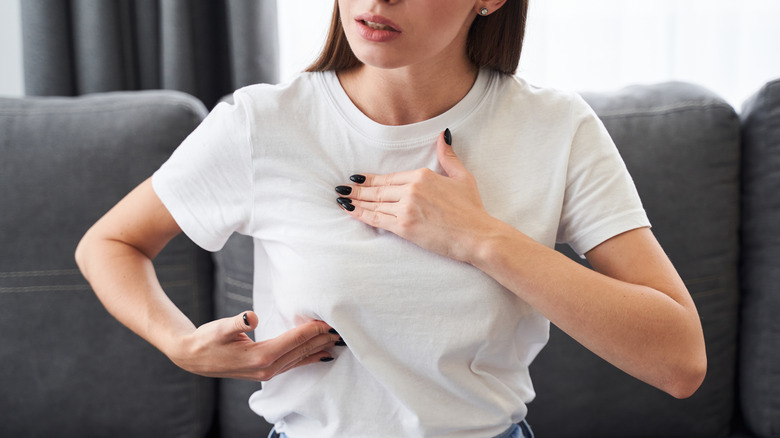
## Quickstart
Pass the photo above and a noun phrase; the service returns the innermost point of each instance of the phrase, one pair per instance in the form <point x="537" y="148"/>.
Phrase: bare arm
<point x="116" y="255"/>
<point x="634" y="310"/>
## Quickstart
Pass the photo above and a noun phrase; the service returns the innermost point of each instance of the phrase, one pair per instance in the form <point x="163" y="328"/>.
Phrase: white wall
<point x="11" y="77"/>
<point x="301" y="35"/>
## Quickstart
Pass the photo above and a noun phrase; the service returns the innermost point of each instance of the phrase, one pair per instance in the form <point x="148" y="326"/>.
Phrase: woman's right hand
<point x="116" y="256"/>
<point x="221" y="348"/>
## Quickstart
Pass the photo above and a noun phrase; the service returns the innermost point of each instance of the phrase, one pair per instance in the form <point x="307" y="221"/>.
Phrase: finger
<point x="447" y="158"/>
<point x="297" y="337"/>
<point x="248" y="321"/>
<point x="387" y="208"/>
<point x="239" y="324"/>
<point x="386" y="193"/>
<point x="374" y="217"/>
<point x="320" y="357"/>
<point x="387" y="179"/>
<point x="310" y="352"/>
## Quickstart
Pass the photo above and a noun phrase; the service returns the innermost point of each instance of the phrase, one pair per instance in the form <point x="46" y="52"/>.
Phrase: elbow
<point x="81" y="254"/>
<point x="688" y="378"/>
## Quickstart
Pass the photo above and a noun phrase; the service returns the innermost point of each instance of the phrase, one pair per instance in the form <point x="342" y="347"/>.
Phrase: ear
<point x="491" y="5"/>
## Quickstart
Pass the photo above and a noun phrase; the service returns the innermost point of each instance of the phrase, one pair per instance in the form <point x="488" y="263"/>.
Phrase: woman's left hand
<point x="440" y="213"/>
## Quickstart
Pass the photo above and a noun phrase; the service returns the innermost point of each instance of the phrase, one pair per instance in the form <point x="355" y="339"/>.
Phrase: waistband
<point x="519" y="430"/>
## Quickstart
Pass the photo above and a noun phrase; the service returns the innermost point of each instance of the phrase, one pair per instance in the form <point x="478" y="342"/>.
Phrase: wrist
<point x="180" y="348"/>
<point x="176" y="341"/>
<point x="487" y="243"/>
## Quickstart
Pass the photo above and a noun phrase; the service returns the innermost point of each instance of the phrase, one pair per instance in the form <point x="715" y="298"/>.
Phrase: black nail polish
<point x="345" y="205"/>
<point x="343" y="201"/>
<point x="326" y="359"/>
<point x="343" y="190"/>
<point x="359" y="179"/>
<point x="341" y="343"/>
<point x="246" y="320"/>
<point x="333" y="331"/>
<point x="448" y="136"/>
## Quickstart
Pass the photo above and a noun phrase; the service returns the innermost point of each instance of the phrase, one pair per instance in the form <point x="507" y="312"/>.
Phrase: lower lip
<point x="378" y="36"/>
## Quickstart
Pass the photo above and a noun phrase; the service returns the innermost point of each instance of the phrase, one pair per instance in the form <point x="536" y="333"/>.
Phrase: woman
<point x="455" y="179"/>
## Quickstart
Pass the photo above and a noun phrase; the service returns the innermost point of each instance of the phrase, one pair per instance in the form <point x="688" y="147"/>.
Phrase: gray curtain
<point x="206" y="48"/>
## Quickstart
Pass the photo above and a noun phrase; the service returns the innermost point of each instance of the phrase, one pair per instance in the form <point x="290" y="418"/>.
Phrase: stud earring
<point x="483" y="11"/>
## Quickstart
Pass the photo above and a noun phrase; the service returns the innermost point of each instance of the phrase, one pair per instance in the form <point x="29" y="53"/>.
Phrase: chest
<point x="323" y="264"/>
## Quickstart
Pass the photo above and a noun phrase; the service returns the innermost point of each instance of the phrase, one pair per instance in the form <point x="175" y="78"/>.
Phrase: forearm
<point x="647" y="329"/>
<point x="124" y="280"/>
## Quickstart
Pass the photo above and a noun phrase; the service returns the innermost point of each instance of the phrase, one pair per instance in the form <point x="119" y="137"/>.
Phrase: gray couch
<point x="709" y="177"/>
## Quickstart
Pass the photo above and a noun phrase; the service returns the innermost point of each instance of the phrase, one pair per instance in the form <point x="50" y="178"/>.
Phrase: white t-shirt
<point x="435" y="347"/>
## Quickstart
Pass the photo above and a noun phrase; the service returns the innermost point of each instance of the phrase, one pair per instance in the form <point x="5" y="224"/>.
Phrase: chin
<point x="382" y="60"/>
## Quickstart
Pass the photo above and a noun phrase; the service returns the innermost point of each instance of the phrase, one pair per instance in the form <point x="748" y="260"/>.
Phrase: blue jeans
<point x="520" y="430"/>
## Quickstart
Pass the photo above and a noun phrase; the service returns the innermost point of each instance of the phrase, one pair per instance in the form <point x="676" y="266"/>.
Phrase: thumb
<point x="245" y="322"/>
<point x="447" y="158"/>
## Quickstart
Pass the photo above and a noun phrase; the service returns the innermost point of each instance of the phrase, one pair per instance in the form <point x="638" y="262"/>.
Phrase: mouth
<point x="378" y="26"/>
<point x="377" y="22"/>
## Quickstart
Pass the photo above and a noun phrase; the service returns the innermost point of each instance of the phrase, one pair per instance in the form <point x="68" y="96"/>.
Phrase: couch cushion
<point x="760" y="270"/>
<point x="69" y="369"/>
<point x="681" y="145"/>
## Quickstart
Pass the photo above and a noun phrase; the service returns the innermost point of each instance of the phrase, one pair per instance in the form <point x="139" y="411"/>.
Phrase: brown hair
<point x="494" y="41"/>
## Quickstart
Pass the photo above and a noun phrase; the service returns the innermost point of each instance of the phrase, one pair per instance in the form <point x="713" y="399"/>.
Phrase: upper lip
<point x="377" y="19"/>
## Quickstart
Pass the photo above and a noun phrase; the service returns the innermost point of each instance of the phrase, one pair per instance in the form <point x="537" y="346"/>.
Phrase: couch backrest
<point x="680" y="143"/>
<point x="759" y="366"/>
<point x="68" y="368"/>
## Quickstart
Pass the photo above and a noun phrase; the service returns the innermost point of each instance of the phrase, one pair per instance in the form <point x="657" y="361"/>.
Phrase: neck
<point x="410" y="94"/>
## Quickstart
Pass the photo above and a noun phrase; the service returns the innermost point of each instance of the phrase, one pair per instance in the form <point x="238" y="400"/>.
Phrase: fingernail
<point x="343" y="190"/>
<point x="341" y="343"/>
<point x="246" y="320"/>
<point x="333" y="331"/>
<point x="360" y="179"/>
<point x="326" y="359"/>
<point x="346" y="206"/>
<point x="448" y="136"/>
<point x="343" y="201"/>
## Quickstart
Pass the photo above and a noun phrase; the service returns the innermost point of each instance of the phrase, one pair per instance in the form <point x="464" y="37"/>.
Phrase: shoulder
<point x="292" y="93"/>
<point x="545" y="101"/>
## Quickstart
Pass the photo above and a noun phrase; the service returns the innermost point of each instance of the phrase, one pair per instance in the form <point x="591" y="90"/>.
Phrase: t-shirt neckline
<point x="400" y="136"/>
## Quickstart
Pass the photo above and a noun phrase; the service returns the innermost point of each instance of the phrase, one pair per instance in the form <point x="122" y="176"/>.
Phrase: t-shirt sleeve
<point x="601" y="200"/>
<point x="206" y="184"/>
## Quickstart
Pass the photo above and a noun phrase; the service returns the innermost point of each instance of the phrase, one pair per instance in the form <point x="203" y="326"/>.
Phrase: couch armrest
<point x="69" y="369"/>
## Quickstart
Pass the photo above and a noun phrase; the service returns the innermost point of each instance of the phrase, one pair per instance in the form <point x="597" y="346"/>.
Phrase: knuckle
<point x="426" y="174"/>
<point x="305" y="351"/>
<point x="374" y="219"/>
<point x="264" y="375"/>
<point x="264" y="361"/>
<point x="406" y="223"/>
<point x="413" y="192"/>
<point x="408" y="213"/>
<point x="419" y="175"/>
<point x="300" y="339"/>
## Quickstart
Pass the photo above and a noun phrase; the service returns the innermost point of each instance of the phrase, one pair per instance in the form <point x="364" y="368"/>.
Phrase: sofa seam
<point x="107" y="101"/>
<point x="667" y="110"/>
<point x="22" y="112"/>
